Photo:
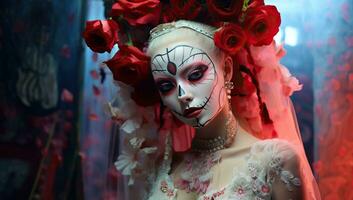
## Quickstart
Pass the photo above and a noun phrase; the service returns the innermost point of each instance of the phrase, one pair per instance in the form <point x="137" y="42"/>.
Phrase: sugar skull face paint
<point x="190" y="82"/>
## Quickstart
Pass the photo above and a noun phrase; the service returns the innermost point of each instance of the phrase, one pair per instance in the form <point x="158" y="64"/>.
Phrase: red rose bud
<point x="262" y="24"/>
<point x="129" y="65"/>
<point x="182" y="9"/>
<point x="137" y="12"/>
<point x="230" y="38"/>
<point x="256" y="3"/>
<point x="101" y="35"/>
<point x="228" y="10"/>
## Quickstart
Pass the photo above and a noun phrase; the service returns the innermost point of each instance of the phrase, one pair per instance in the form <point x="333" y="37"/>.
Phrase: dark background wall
<point x="40" y="80"/>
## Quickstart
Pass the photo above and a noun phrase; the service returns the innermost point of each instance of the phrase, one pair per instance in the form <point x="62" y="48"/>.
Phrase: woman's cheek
<point x="171" y="101"/>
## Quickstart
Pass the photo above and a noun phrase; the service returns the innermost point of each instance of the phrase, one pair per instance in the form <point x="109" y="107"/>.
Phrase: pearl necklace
<point x="220" y="142"/>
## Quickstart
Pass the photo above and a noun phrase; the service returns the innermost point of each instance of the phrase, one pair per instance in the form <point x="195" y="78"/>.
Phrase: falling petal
<point x="93" y="117"/>
<point x="65" y="51"/>
<point x="345" y="11"/>
<point x="96" y="91"/>
<point x="82" y="155"/>
<point x="94" y="57"/>
<point x="94" y="74"/>
<point x="67" y="96"/>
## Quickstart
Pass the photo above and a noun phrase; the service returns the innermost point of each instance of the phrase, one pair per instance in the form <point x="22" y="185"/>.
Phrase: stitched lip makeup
<point x="192" y="112"/>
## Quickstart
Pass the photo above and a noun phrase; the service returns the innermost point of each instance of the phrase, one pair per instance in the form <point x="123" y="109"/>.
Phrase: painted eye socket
<point x="197" y="73"/>
<point x="165" y="86"/>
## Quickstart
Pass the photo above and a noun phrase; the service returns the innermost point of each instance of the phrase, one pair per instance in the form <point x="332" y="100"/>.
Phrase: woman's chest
<point x="216" y="177"/>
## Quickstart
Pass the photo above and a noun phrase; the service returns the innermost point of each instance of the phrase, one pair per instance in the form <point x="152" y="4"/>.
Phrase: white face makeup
<point x="190" y="81"/>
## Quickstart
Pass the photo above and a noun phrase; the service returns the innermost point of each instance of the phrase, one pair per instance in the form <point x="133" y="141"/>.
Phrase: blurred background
<point x="55" y="137"/>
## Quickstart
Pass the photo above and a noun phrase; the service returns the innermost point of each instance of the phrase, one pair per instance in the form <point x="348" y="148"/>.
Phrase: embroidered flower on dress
<point x="240" y="187"/>
<point x="196" y="176"/>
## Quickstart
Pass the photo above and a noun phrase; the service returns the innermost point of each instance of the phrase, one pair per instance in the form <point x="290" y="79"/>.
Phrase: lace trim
<point x="256" y="182"/>
<point x="286" y="176"/>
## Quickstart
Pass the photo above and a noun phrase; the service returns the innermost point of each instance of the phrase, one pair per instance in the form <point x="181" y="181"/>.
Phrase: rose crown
<point x="233" y="25"/>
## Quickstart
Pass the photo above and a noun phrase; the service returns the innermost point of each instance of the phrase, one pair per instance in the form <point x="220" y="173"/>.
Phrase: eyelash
<point x="199" y="69"/>
<point x="165" y="83"/>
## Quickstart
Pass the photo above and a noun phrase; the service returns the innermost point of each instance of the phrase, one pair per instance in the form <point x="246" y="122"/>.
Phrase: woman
<point x="191" y="74"/>
<point x="224" y="80"/>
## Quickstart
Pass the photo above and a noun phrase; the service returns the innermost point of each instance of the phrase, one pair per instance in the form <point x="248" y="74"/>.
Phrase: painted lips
<point x="192" y="112"/>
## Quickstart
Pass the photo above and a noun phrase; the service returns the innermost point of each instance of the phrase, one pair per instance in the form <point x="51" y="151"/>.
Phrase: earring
<point x="229" y="85"/>
<point x="232" y="124"/>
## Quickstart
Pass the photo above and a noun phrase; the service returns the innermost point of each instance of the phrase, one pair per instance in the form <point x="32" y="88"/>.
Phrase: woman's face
<point x="188" y="71"/>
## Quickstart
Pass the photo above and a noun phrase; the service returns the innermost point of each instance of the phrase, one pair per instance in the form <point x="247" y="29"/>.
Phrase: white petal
<point x="136" y="142"/>
<point x="131" y="181"/>
<point x="149" y="150"/>
<point x="131" y="125"/>
<point x="128" y="169"/>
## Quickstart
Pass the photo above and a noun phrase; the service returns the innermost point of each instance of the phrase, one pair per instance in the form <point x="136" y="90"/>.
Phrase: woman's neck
<point x="217" y="126"/>
<point x="220" y="127"/>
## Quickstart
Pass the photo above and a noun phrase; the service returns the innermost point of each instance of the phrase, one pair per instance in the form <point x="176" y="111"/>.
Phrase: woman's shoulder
<point x="273" y="149"/>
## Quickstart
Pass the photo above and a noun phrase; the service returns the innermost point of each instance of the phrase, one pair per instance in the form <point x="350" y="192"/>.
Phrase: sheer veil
<point x="276" y="85"/>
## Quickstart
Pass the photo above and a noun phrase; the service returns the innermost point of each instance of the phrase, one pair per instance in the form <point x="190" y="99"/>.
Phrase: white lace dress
<point x="262" y="170"/>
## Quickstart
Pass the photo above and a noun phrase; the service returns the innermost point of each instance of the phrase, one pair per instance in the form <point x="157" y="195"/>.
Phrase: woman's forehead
<point x="177" y="40"/>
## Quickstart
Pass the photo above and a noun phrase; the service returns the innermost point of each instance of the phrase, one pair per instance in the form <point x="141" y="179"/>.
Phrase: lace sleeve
<point x="284" y="170"/>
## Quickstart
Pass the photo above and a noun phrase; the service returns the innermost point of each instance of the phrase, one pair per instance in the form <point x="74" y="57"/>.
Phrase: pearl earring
<point x="229" y="85"/>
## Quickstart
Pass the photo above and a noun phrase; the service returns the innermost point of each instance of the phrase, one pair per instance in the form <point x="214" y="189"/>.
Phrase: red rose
<point x="256" y="3"/>
<point x="129" y="65"/>
<point x="262" y="24"/>
<point x="137" y="12"/>
<point x="167" y="14"/>
<point x="185" y="9"/>
<point x="101" y="35"/>
<point x="230" y="38"/>
<point x="145" y="92"/>
<point x="225" y="10"/>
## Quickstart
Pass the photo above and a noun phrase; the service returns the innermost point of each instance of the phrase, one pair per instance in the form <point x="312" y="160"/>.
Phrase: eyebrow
<point x="193" y="55"/>
<point x="193" y="66"/>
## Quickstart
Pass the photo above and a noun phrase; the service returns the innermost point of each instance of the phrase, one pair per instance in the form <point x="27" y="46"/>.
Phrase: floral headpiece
<point x="238" y="24"/>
